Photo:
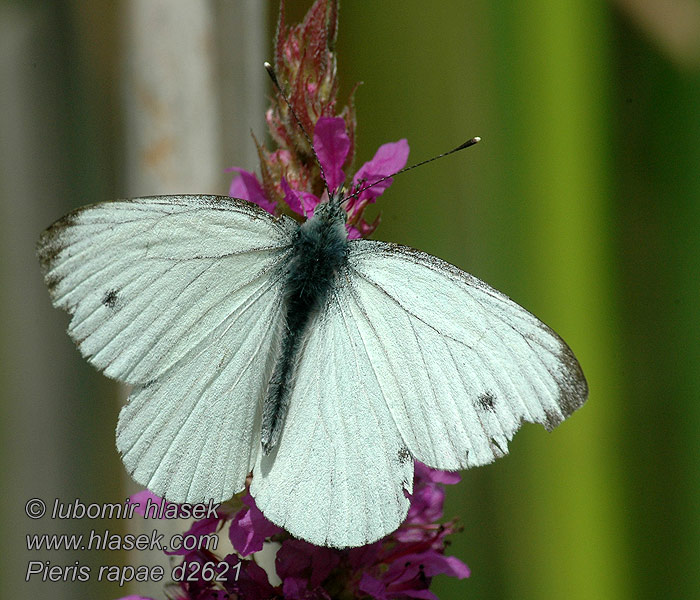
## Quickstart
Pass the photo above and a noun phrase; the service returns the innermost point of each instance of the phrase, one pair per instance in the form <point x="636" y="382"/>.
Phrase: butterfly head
<point x="332" y="211"/>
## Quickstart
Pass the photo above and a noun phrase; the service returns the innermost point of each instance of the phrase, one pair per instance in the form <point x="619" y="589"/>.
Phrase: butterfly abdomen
<point x="319" y="252"/>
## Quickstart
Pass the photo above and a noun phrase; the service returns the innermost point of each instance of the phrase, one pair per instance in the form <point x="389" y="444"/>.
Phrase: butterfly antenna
<point x="271" y="72"/>
<point x="467" y="144"/>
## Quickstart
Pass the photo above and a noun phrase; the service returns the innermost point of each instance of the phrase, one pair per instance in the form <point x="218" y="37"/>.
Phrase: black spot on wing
<point x="110" y="299"/>
<point x="404" y="455"/>
<point x="486" y="401"/>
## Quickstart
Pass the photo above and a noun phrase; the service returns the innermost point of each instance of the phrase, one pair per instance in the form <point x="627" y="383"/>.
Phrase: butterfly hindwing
<point x="194" y="434"/>
<point x="338" y="475"/>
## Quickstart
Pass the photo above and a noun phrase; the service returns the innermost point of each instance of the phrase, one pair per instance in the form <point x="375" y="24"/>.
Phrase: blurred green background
<point x="582" y="203"/>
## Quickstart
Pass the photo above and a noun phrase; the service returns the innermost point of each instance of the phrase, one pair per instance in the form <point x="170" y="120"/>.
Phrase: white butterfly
<point x="324" y="366"/>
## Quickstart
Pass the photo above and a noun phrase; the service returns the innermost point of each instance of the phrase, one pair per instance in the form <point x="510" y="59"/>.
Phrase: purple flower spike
<point x="332" y="145"/>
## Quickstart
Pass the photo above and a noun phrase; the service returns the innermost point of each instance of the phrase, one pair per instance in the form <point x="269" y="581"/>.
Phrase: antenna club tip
<point x="471" y="142"/>
<point x="271" y="72"/>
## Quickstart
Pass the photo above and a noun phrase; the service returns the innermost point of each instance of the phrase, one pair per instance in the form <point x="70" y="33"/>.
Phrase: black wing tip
<point x="575" y="385"/>
<point x="573" y="389"/>
<point x="49" y="245"/>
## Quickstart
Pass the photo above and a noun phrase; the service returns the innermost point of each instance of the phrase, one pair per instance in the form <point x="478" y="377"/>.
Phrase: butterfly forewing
<point x="147" y="280"/>
<point x="460" y="365"/>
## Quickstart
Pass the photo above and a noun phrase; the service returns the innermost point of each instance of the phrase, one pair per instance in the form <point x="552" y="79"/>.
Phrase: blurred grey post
<point x="192" y="90"/>
<point x="52" y="447"/>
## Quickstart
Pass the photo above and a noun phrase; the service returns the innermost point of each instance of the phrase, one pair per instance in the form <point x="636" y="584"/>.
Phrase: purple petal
<point x="302" y="203"/>
<point x="433" y="562"/>
<point x="428" y="496"/>
<point x="297" y="558"/>
<point x="203" y="527"/>
<point x="388" y="159"/>
<point x="147" y="499"/>
<point x="450" y="565"/>
<point x="250" y="528"/>
<point x="295" y="588"/>
<point x="198" y="529"/>
<point x="252" y="582"/>
<point x="140" y="499"/>
<point x="434" y="475"/>
<point x="353" y="232"/>
<point x="373" y="587"/>
<point x="332" y="145"/>
<point x="426" y="504"/>
<point x="364" y="556"/>
<point x="247" y="187"/>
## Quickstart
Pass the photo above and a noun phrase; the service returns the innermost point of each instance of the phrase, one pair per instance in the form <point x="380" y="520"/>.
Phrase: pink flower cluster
<point x="291" y="181"/>
<point x="332" y="145"/>
<point x="400" y="566"/>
